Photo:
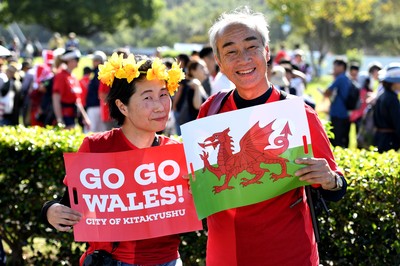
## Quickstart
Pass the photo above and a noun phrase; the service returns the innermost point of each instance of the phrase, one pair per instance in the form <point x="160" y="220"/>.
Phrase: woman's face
<point x="148" y="108"/>
<point x="201" y="72"/>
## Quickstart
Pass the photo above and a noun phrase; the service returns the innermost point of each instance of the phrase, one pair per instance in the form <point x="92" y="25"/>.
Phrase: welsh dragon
<point x="252" y="153"/>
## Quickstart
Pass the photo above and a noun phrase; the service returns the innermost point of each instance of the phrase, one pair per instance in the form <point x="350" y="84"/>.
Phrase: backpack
<point x="353" y="101"/>
<point x="366" y="131"/>
<point x="47" y="116"/>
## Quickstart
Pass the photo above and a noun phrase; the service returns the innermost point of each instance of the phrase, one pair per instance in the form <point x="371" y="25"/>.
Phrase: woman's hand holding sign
<point x="62" y="217"/>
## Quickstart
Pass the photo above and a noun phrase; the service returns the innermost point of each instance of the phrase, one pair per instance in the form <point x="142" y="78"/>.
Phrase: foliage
<point x="181" y="22"/>
<point x="32" y="170"/>
<point x="354" y="56"/>
<point x="81" y="16"/>
<point x="384" y="30"/>
<point x="334" y="16"/>
<point x="362" y="229"/>
<point x="325" y="25"/>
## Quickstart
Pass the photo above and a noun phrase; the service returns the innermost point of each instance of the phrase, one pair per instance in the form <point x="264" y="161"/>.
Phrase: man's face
<point x="209" y="60"/>
<point x="337" y="69"/>
<point x="354" y="73"/>
<point x="243" y="57"/>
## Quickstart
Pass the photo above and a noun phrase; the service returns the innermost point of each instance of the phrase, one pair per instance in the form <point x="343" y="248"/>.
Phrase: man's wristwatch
<point x="338" y="182"/>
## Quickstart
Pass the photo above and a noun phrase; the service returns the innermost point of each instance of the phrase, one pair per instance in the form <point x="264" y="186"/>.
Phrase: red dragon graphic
<point x="252" y="153"/>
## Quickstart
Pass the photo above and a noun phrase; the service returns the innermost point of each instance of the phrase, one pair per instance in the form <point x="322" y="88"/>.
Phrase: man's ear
<point x="267" y="53"/>
<point x="219" y="64"/>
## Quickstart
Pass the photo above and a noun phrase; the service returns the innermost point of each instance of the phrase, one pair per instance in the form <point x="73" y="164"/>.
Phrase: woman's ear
<point x="121" y="106"/>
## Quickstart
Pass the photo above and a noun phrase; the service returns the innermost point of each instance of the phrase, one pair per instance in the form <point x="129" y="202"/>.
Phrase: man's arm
<point x="56" y="97"/>
<point x="328" y="93"/>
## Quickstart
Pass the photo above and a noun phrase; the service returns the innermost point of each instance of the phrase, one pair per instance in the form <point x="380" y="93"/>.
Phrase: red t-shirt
<point x="144" y="252"/>
<point x="69" y="89"/>
<point x="269" y="232"/>
<point x="104" y="110"/>
<point x="84" y="82"/>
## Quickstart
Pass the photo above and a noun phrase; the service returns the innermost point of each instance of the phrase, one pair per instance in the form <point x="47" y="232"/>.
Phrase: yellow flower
<point x="128" y="69"/>
<point x="111" y="69"/>
<point x="106" y="74"/>
<point x="175" y="75"/>
<point x="132" y="68"/>
<point x="157" y="70"/>
<point x="172" y="87"/>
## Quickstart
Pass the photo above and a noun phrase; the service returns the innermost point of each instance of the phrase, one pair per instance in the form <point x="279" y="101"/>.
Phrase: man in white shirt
<point x="218" y="80"/>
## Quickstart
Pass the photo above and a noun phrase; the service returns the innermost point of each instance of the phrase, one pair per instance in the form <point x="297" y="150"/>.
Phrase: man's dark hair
<point x="87" y="70"/>
<point x="205" y="51"/>
<point x="184" y="59"/>
<point x="341" y="62"/>
<point x="354" y="66"/>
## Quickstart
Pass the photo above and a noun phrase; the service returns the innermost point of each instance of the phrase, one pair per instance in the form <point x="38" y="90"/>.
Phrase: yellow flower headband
<point x="127" y="68"/>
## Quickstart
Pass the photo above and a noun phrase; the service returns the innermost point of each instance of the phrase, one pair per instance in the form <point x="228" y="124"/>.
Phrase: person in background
<point x="279" y="79"/>
<point x="354" y="70"/>
<point x="26" y="82"/>
<point x="196" y="74"/>
<point x="218" y="80"/>
<point x="337" y="93"/>
<point x="93" y="98"/>
<point x="84" y="83"/>
<point x="141" y="107"/>
<point x="281" y="54"/>
<point x="300" y="64"/>
<point x="387" y="111"/>
<point x="180" y="106"/>
<point x="67" y="91"/>
<point x="371" y="78"/>
<point x="104" y="89"/>
<point x="56" y="41"/>
<point x="72" y="42"/>
<point x="45" y="113"/>
<point x="356" y="115"/>
<point x="11" y="97"/>
<point x="269" y="232"/>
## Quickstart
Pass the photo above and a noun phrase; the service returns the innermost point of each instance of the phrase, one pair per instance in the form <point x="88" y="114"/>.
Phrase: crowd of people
<point x="378" y="96"/>
<point x="49" y="94"/>
<point x="239" y="58"/>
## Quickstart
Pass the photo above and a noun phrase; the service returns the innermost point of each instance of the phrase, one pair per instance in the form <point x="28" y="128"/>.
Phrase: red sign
<point x="130" y="195"/>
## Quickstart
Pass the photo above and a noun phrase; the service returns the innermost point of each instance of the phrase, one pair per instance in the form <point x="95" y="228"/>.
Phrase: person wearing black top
<point x="387" y="111"/>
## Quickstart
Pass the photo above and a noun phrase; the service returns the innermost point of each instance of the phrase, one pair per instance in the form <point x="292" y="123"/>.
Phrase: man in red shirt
<point x="270" y="232"/>
<point x="67" y="92"/>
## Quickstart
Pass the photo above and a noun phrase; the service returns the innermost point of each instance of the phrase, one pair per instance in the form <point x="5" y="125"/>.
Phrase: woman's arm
<point x="59" y="215"/>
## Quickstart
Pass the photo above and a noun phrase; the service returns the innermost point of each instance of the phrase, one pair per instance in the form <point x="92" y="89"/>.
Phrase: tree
<point x="185" y="21"/>
<point x="83" y="17"/>
<point x="323" y="23"/>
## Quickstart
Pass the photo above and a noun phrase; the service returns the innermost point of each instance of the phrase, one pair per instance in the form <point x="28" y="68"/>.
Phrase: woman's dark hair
<point x="192" y="66"/>
<point x="122" y="90"/>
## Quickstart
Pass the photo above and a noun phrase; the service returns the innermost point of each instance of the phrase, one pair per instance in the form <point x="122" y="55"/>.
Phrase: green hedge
<point x="362" y="229"/>
<point x="31" y="172"/>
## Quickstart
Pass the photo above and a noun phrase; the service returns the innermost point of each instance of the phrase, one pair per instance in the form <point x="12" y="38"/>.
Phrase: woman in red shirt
<point x="139" y="100"/>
